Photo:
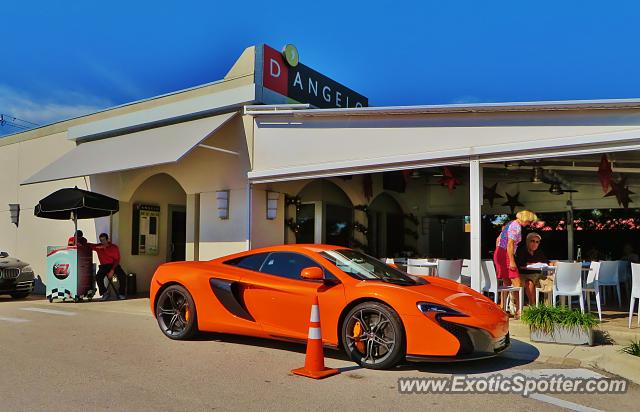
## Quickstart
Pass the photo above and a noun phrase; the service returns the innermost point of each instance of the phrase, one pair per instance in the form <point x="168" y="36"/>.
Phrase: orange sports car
<point x="377" y="313"/>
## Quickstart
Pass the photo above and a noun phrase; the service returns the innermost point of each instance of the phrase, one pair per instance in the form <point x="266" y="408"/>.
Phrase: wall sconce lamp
<point x="222" y="199"/>
<point x="272" y="204"/>
<point x="14" y="212"/>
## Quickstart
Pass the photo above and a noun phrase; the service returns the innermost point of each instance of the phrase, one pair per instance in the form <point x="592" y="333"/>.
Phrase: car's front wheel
<point x="20" y="295"/>
<point x="176" y="313"/>
<point x="373" y="336"/>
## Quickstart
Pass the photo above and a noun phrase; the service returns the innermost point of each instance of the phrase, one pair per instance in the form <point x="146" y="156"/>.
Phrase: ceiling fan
<point x="538" y="176"/>
<point x="554" y="189"/>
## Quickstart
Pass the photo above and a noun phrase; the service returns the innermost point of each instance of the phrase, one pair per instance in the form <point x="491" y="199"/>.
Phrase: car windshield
<point x="365" y="267"/>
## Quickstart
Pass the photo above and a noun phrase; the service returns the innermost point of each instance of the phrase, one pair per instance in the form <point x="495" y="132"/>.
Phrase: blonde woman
<point x="506" y="245"/>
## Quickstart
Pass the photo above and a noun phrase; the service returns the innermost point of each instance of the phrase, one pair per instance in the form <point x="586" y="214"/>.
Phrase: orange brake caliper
<point x="357" y="330"/>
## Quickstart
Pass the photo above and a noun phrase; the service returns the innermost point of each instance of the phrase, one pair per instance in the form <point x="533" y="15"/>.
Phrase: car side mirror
<point x="312" y="273"/>
<point x="4" y="254"/>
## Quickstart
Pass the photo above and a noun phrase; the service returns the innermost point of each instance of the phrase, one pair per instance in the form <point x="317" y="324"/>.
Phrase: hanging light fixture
<point x="222" y="199"/>
<point x="14" y="213"/>
<point x="272" y="204"/>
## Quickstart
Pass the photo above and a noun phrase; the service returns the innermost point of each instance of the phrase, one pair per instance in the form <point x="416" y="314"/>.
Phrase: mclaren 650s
<point x="378" y="314"/>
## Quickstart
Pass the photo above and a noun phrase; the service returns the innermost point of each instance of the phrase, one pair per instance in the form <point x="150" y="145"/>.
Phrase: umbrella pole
<point x="75" y="228"/>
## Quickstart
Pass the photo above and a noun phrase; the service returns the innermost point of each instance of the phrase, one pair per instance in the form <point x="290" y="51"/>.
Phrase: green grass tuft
<point x="633" y="348"/>
<point x="546" y="317"/>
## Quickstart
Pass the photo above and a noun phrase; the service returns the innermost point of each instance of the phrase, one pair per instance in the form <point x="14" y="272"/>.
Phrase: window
<point x="364" y="267"/>
<point x="251" y="262"/>
<point x="287" y="265"/>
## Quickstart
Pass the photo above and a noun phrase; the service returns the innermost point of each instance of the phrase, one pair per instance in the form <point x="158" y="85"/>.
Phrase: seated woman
<point x="526" y="256"/>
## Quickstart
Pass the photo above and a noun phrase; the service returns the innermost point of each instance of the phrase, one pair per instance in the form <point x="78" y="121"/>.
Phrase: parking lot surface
<point x="112" y="356"/>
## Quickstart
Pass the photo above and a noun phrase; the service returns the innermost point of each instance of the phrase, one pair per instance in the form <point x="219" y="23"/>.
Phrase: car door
<point x="280" y="300"/>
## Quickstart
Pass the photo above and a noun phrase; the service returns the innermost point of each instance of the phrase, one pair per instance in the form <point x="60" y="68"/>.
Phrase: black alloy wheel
<point x="373" y="336"/>
<point x="176" y="313"/>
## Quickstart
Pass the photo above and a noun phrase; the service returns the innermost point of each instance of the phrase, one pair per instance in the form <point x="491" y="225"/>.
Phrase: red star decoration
<point x="512" y="201"/>
<point x="604" y="173"/>
<point x="621" y="191"/>
<point x="449" y="180"/>
<point x="490" y="193"/>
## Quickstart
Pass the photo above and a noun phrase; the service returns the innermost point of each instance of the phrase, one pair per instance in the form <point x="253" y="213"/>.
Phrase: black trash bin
<point x="132" y="288"/>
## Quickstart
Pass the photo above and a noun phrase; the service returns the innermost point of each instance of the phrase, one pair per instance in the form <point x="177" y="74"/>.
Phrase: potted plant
<point x="559" y="324"/>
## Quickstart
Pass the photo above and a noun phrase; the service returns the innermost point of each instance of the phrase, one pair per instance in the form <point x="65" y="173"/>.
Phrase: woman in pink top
<point x="506" y="244"/>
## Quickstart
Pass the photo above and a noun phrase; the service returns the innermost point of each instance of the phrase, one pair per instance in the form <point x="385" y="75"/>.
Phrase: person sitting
<point x="526" y="256"/>
<point x="82" y="241"/>
<point x="109" y="258"/>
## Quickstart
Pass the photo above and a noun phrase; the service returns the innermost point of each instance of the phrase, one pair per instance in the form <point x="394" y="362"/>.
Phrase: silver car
<point x="16" y="277"/>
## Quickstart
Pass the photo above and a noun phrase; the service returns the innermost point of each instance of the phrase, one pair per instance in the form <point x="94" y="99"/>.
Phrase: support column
<point x="249" y="216"/>
<point x="475" y="202"/>
<point x="193" y="227"/>
<point x="570" y="233"/>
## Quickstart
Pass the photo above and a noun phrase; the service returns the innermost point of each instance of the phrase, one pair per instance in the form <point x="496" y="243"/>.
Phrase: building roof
<point x="241" y="73"/>
<point x="298" y="110"/>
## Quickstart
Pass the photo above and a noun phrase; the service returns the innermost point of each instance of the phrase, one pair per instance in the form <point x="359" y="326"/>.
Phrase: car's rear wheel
<point x="176" y="313"/>
<point x="373" y="336"/>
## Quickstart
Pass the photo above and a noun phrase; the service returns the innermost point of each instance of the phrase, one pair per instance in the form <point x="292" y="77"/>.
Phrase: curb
<point x="606" y="358"/>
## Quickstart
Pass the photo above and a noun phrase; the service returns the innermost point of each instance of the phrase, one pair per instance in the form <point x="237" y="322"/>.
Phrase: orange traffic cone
<point x="314" y="361"/>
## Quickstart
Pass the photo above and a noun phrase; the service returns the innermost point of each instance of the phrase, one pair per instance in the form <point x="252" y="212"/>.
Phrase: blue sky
<point x="64" y="58"/>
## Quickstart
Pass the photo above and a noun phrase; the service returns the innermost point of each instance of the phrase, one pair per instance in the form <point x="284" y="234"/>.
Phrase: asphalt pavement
<point x="112" y="356"/>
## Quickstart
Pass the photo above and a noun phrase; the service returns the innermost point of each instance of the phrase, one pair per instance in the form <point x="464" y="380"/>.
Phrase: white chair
<point x="450" y="269"/>
<point x="635" y="291"/>
<point x="610" y="276"/>
<point x="420" y="267"/>
<point x="568" y="282"/>
<point x="489" y="283"/>
<point x="466" y="268"/>
<point x="400" y="261"/>
<point x="592" y="286"/>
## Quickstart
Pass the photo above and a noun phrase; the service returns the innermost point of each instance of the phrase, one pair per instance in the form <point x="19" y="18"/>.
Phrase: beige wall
<point x="30" y="239"/>
<point x="160" y="190"/>
<point x="202" y="172"/>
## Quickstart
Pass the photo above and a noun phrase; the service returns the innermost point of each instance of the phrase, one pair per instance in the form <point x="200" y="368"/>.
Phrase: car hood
<point x="458" y="297"/>
<point x="10" y="262"/>
<point x="439" y="291"/>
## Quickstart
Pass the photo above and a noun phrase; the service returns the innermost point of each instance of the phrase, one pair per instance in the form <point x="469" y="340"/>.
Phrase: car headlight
<point x="27" y="269"/>
<point x="434" y="309"/>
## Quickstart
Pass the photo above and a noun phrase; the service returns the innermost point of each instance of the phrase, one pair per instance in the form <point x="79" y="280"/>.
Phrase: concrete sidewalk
<point x="607" y="357"/>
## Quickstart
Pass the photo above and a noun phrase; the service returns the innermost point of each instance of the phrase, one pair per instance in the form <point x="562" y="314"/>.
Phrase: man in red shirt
<point x="109" y="257"/>
<point x="82" y="241"/>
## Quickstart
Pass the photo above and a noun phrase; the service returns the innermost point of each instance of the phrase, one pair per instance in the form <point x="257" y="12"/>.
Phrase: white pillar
<point x="249" y="214"/>
<point x="570" y="234"/>
<point x="475" y="202"/>
<point x="193" y="227"/>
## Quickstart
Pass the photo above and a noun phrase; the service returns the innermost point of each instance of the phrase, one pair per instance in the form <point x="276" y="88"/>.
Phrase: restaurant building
<point x="278" y="153"/>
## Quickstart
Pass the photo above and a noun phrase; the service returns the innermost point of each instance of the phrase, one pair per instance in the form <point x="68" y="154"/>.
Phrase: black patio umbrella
<point x="74" y="204"/>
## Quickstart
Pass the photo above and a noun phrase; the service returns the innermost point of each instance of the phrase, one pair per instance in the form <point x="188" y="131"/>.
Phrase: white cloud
<point x="117" y="80"/>
<point x="58" y="105"/>
<point x="466" y="100"/>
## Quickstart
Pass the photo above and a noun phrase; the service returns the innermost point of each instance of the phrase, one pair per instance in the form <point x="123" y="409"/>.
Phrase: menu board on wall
<point x="145" y="229"/>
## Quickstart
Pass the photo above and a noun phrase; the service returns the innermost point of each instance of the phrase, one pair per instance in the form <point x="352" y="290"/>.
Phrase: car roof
<point x="316" y="248"/>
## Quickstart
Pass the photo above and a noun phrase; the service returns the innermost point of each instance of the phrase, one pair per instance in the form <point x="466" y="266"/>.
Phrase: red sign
<point x="276" y="74"/>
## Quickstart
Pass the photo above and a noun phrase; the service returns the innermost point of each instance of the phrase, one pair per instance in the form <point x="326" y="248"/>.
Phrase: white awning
<point x="131" y="151"/>
<point x="290" y="146"/>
